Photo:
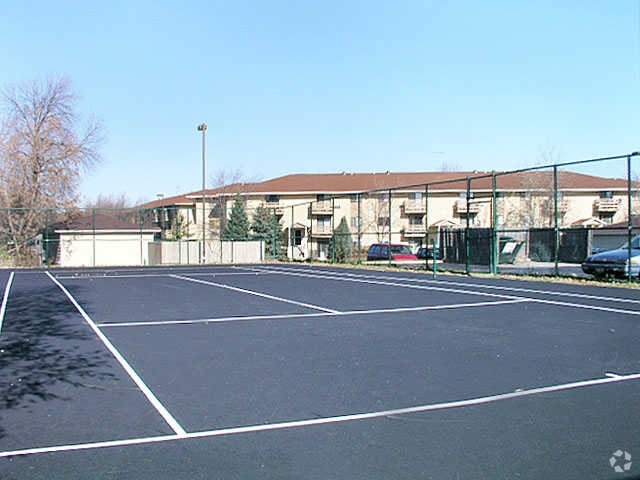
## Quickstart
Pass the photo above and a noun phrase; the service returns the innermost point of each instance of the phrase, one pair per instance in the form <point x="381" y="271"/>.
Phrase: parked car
<point x="427" y="252"/>
<point x="380" y="251"/>
<point x="614" y="263"/>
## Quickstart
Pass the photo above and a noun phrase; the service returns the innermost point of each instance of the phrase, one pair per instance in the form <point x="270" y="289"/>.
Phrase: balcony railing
<point x="607" y="205"/>
<point x="322" y="207"/>
<point x="274" y="206"/>
<point x="321" y="231"/>
<point x="415" y="207"/>
<point x="415" y="231"/>
<point x="461" y="207"/>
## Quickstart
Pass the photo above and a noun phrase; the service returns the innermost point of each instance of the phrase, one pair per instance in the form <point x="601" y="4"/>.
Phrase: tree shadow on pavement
<point x="44" y="343"/>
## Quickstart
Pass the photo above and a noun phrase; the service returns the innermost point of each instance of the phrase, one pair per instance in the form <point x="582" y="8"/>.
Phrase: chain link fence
<point x="542" y="220"/>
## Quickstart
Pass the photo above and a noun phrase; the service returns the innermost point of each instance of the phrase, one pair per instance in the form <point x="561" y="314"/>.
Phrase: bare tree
<point x="44" y="149"/>
<point x="109" y="202"/>
<point x="227" y="184"/>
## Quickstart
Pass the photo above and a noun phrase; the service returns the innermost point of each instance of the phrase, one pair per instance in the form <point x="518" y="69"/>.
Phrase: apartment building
<point x="400" y="207"/>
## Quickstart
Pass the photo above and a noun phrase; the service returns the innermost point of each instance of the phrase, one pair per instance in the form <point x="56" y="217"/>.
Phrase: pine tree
<point x="237" y="227"/>
<point x="265" y="226"/>
<point x="341" y="242"/>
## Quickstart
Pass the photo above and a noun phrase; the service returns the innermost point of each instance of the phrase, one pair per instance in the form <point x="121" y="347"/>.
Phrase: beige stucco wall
<point x="513" y="209"/>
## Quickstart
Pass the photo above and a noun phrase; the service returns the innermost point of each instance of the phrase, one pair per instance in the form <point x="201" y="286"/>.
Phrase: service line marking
<point x="5" y="299"/>
<point x="173" y="423"/>
<point x="257" y="294"/>
<point x="325" y="420"/>
<point x="585" y="296"/>
<point x="363" y="279"/>
<point x="309" y="315"/>
<point x="115" y="276"/>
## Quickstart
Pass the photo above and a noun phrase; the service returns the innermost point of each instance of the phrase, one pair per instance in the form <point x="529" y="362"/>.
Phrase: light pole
<point x="203" y="128"/>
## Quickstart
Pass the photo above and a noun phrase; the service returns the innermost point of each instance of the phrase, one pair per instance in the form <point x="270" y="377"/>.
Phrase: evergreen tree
<point x="265" y="226"/>
<point x="341" y="242"/>
<point x="237" y="227"/>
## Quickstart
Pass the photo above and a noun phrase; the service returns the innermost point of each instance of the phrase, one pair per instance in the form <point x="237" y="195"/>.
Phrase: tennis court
<point x="290" y="372"/>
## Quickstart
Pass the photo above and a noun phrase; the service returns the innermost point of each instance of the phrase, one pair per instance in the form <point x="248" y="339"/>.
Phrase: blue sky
<point x="303" y="86"/>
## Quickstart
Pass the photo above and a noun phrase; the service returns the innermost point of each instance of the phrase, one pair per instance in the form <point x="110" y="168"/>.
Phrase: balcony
<point x="322" y="207"/>
<point x="321" y="231"/>
<point x="461" y="207"/>
<point x="607" y="205"/>
<point x="415" y="231"/>
<point x="274" y="207"/>
<point x="414" y="207"/>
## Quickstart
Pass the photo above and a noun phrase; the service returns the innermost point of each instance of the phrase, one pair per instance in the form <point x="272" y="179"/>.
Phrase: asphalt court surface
<point x="296" y="372"/>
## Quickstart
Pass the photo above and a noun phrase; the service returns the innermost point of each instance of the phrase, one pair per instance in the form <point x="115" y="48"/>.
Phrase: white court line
<point x="463" y="284"/>
<point x="310" y="315"/>
<point x="257" y="294"/>
<point x="396" y="284"/>
<point x="325" y="420"/>
<point x="362" y="279"/>
<point x="5" y="299"/>
<point x="154" y="275"/>
<point x="175" y="426"/>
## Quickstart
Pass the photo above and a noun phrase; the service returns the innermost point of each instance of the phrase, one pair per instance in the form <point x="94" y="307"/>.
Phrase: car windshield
<point x="401" y="249"/>
<point x="635" y="243"/>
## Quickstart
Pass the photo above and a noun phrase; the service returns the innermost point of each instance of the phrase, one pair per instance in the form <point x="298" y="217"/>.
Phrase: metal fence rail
<point x="541" y="220"/>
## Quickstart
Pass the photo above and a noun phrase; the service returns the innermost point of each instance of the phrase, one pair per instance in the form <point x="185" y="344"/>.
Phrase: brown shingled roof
<point x="361" y="182"/>
<point x="341" y="183"/>
<point x="170" y="201"/>
<point x="99" y="221"/>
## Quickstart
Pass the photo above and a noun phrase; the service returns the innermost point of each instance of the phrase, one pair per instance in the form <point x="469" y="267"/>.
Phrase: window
<point x="415" y="196"/>
<point x="415" y="220"/>
<point x="608" y="194"/>
<point x="383" y="221"/>
<point x="297" y="237"/>
<point x="272" y="198"/>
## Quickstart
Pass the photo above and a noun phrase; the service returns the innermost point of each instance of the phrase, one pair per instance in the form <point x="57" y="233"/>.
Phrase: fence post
<point x="467" y="244"/>
<point x="556" y="231"/>
<point x="333" y="230"/>
<point x="93" y="236"/>
<point x="141" y="237"/>
<point x="45" y="238"/>
<point x="291" y="231"/>
<point x="359" y="226"/>
<point x="274" y="234"/>
<point x="389" y="213"/>
<point x="426" y="229"/>
<point x="495" y="242"/>
<point x="629" y="218"/>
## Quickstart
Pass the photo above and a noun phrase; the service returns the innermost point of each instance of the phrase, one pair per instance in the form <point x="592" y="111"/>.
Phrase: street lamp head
<point x="202" y="127"/>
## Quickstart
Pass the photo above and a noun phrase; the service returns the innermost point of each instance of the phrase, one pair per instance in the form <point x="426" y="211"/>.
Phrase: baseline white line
<point x="309" y="315"/>
<point x="364" y="279"/>
<point x="5" y="299"/>
<point x="175" y="426"/>
<point x="396" y="284"/>
<point x="325" y="420"/>
<point x="257" y="294"/>
<point x="152" y="275"/>
<point x="480" y="285"/>
<point x="585" y="307"/>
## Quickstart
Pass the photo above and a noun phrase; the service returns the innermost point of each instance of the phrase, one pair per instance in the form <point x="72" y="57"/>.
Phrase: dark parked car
<point x="427" y="252"/>
<point x="614" y="263"/>
<point x="380" y="251"/>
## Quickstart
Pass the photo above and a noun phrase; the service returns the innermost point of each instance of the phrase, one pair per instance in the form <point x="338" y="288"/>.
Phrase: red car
<point x="380" y="251"/>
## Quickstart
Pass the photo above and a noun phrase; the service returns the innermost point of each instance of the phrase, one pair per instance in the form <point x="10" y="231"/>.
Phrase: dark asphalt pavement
<point x="258" y="346"/>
